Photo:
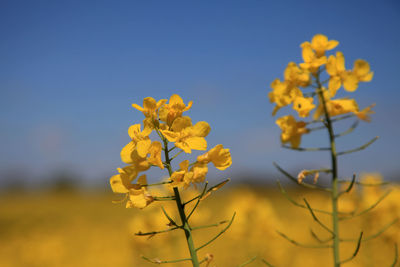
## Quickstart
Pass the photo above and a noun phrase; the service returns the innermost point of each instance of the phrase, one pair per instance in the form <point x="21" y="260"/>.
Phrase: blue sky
<point x="70" y="70"/>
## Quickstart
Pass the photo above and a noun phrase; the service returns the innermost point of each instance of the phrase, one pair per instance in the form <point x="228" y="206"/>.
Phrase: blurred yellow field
<point x="86" y="229"/>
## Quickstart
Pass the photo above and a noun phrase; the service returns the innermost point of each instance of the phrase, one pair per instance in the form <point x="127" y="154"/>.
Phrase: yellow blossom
<point x="282" y="94"/>
<point x="292" y="130"/>
<point x="155" y="154"/>
<point x="349" y="79"/>
<point x="362" y="71"/>
<point x="296" y="76"/>
<point x="174" y="109"/>
<point x="336" y="107"/>
<point x="121" y="183"/>
<point x="150" y="107"/>
<point x="138" y="195"/>
<point x="182" y="177"/>
<point x="139" y="145"/>
<point x="311" y="61"/>
<point x="320" y="44"/>
<point x="303" y="105"/>
<point x="186" y="136"/>
<point x="200" y="171"/>
<point x="218" y="155"/>
<point x="364" y="114"/>
<point x="339" y="75"/>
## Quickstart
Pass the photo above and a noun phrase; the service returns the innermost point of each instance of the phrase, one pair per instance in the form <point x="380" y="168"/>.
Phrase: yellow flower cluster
<point x="307" y="75"/>
<point x="165" y="118"/>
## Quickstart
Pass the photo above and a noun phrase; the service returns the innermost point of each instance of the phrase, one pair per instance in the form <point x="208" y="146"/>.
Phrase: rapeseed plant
<point x="313" y="85"/>
<point x="166" y="119"/>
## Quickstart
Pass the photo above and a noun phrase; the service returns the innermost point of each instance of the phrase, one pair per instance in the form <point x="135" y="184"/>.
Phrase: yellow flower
<point x="362" y="71"/>
<point x="174" y="109"/>
<point x="138" y="195"/>
<point x="183" y="177"/>
<point x="349" y="79"/>
<point x="339" y="75"/>
<point x="336" y="107"/>
<point x="121" y="183"/>
<point x="282" y="94"/>
<point x="364" y="114"/>
<point x="321" y="44"/>
<point x="292" y="130"/>
<point x="219" y="156"/>
<point x="303" y="105"/>
<point x="199" y="171"/>
<point x="139" y="145"/>
<point x="186" y="136"/>
<point x="311" y="61"/>
<point x="150" y="107"/>
<point x="155" y="154"/>
<point x="296" y="76"/>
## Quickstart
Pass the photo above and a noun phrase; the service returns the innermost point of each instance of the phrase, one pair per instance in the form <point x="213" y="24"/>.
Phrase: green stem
<point x="181" y="209"/>
<point x="334" y="185"/>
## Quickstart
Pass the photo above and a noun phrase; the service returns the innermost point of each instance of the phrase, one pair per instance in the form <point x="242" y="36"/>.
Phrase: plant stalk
<point x="181" y="209"/>
<point x="334" y="168"/>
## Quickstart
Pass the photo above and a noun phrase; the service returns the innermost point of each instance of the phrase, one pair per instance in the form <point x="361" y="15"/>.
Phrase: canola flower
<point x="165" y="119"/>
<point x="311" y="88"/>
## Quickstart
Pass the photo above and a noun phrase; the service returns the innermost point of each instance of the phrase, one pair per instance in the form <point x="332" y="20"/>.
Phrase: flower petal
<point x="201" y="129"/>
<point x="197" y="143"/>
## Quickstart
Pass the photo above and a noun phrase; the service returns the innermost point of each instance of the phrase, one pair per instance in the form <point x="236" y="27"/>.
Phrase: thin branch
<point x="198" y="201"/>
<point x="316" y="219"/>
<point x="267" y="263"/>
<point x="351" y="129"/>
<point x="349" y="187"/>
<point x="316" y="128"/>
<point x="209" y="190"/>
<point x="323" y="82"/>
<point x="302" y="245"/>
<point x="383" y="229"/>
<point x="365" y="184"/>
<point x="177" y="154"/>
<point x="395" y="256"/>
<point x="157" y="261"/>
<point x="367" y="209"/>
<point x="171" y="221"/>
<point x="220" y="233"/>
<point x="307" y="148"/>
<point x="295" y="180"/>
<point x="358" y="148"/>
<point x="297" y="204"/>
<point x="356" y="250"/>
<point x="332" y="120"/>
<point x="248" y="261"/>
<point x="314" y="235"/>
<point x="209" y="225"/>
<point x="157" y="232"/>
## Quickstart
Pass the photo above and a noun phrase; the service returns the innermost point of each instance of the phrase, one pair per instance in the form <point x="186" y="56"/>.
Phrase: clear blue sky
<point x="70" y="70"/>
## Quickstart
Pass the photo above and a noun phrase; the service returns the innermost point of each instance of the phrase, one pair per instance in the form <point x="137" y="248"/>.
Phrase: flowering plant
<point x="313" y="85"/>
<point x="166" y="120"/>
